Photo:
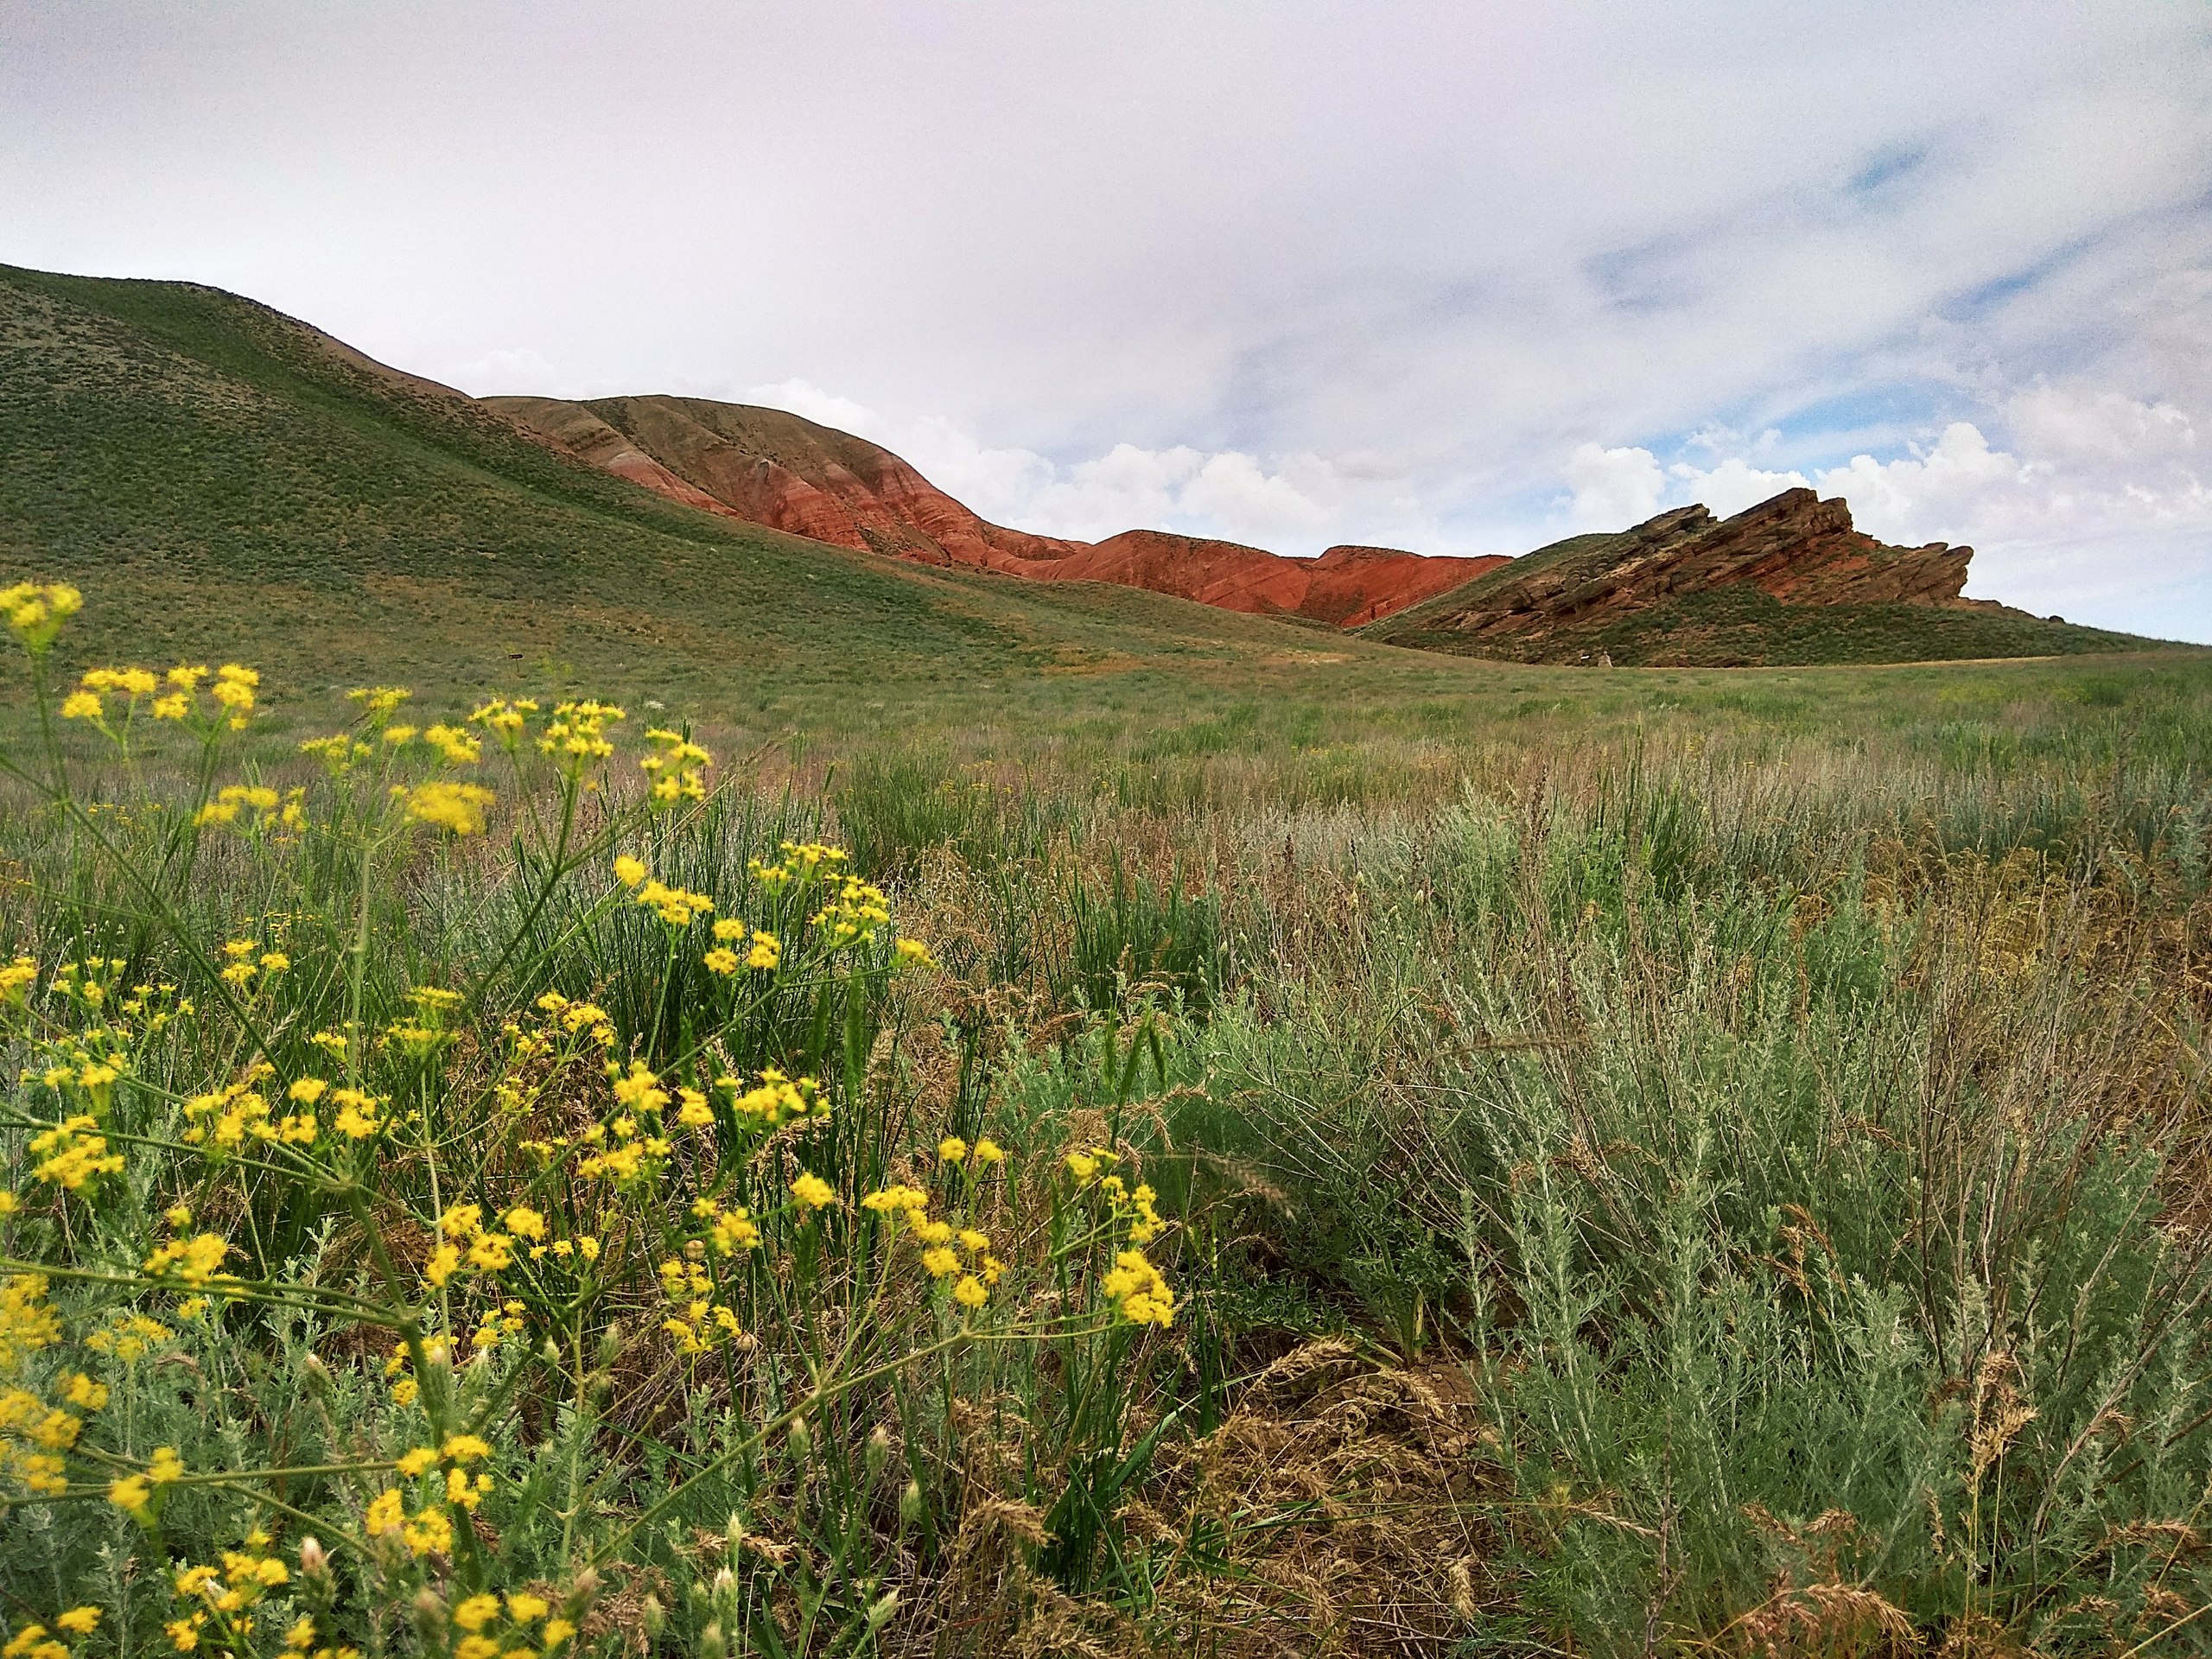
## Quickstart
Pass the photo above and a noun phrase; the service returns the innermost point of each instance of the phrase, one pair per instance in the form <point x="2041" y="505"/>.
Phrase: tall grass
<point x="1714" y="1197"/>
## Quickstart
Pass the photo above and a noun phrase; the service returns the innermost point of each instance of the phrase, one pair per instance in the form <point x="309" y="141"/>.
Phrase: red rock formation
<point x="1354" y="585"/>
<point x="777" y="469"/>
<point x="1799" y="549"/>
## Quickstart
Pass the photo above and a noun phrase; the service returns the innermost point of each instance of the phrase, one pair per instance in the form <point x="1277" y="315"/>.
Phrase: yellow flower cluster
<point x="496" y="1324"/>
<point x="34" y="1434"/>
<point x="80" y="1069"/>
<point x="429" y="1527"/>
<point x="130" y="1337"/>
<point x="174" y="696"/>
<point x="222" y="1121"/>
<point x="193" y="1260"/>
<point x="630" y="1148"/>
<point x="941" y="1243"/>
<point x="776" y="1099"/>
<point x="134" y="1494"/>
<point x="35" y="611"/>
<point x="468" y="1245"/>
<point x="854" y="915"/>
<point x="763" y="954"/>
<point x="340" y="753"/>
<point x="505" y="720"/>
<point x="245" y="1576"/>
<point x="269" y="809"/>
<point x="455" y="747"/>
<point x="728" y="1230"/>
<point x="675" y="906"/>
<point x="704" y="1322"/>
<point x="71" y="1153"/>
<point x="1135" y="1284"/>
<point x="676" y="768"/>
<point x="475" y="1617"/>
<point x="445" y="803"/>
<point x="801" y="862"/>
<point x="17" y="978"/>
<point x="27" y="1323"/>
<point x="577" y="734"/>
<point x="35" y="1642"/>
<point x="953" y="1150"/>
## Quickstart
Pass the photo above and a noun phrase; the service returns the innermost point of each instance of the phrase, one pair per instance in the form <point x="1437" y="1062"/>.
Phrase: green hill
<point x="223" y="481"/>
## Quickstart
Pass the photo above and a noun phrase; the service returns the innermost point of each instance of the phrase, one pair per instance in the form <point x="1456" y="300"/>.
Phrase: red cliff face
<point x="773" y="468"/>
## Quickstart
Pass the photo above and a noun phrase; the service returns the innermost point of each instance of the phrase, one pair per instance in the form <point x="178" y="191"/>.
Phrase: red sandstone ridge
<point x="777" y="469"/>
<point x="1795" y="549"/>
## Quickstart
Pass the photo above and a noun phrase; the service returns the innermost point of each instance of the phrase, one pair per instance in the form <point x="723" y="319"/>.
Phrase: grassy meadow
<point x="1364" y="1154"/>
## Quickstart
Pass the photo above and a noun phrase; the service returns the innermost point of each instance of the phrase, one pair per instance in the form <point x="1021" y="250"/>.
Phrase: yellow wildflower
<point x="1137" y="1286"/>
<point x="456" y="747"/>
<point x="447" y="805"/>
<point x="35" y="612"/>
<point x="812" y="1191"/>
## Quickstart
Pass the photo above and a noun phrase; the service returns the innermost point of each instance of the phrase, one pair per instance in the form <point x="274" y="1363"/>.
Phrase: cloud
<point x="1225" y="494"/>
<point x="1613" y="488"/>
<point x="1732" y="486"/>
<point x="804" y="398"/>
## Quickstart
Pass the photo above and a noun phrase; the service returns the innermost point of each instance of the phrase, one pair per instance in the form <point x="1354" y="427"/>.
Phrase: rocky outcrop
<point x="1796" y="549"/>
<point x="779" y="469"/>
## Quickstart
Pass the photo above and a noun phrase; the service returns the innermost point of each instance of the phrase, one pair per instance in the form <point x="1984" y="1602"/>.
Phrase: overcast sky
<point x="1462" y="278"/>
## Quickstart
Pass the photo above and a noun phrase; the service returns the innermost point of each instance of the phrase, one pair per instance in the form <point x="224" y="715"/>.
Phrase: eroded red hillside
<point x="779" y="469"/>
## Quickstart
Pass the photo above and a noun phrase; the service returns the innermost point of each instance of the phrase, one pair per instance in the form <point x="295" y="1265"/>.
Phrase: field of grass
<point x="1367" y="1153"/>
<point x="1642" y="1162"/>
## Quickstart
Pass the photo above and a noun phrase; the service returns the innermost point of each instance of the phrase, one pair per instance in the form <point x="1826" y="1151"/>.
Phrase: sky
<point x="1464" y="278"/>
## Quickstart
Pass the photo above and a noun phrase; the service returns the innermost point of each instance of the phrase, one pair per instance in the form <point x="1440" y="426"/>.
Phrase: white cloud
<point x="1225" y="494"/>
<point x="1613" y="488"/>
<point x="1957" y="481"/>
<point x="1732" y="486"/>
<point x="803" y="397"/>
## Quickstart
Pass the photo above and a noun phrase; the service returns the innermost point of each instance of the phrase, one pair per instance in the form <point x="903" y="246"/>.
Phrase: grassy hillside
<point x="222" y="481"/>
